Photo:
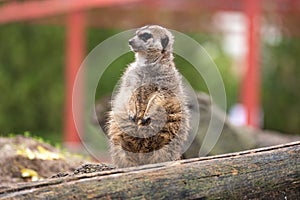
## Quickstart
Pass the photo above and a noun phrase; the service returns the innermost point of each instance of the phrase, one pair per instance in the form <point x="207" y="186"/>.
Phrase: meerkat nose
<point x="130" y="42"/>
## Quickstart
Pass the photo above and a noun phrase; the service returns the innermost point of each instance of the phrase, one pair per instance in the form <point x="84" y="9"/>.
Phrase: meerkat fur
<point x="149" y="121"/>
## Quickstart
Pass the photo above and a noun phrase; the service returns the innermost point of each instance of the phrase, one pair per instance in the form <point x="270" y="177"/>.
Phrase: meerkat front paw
<point x="145" y="121"/>
<point x="132" y="111"/>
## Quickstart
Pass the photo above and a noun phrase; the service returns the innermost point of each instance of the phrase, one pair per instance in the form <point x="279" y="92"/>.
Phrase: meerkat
<point x="149" y="121"/>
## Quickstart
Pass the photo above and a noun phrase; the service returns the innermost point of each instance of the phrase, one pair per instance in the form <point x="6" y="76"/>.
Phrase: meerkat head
<point x="152" y="39"/>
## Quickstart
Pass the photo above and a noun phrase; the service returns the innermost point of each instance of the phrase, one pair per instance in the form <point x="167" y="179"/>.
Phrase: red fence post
<point x="75" y="47"/>
<point x="251" y="85"/>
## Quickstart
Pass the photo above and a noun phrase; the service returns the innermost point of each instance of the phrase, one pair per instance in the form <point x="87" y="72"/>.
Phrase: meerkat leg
<point x="132" y="111"/>
<point x="120" y="152"/>
<point x="154" y="101"/>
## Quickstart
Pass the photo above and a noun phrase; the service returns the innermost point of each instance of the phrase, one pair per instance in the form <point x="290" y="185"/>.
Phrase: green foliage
<point x="31" y="79"/>
<point x="112" y="74"/>
<point x="281" y="86"/>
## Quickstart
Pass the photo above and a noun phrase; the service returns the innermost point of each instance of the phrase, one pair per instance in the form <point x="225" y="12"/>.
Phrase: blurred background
<point x="255" y="44"/>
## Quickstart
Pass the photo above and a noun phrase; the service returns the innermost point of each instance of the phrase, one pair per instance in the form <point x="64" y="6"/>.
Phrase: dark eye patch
<point x="145" y="36"/>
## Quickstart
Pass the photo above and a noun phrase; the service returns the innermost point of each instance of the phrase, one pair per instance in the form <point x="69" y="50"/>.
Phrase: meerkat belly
<point x="155" y="115"/>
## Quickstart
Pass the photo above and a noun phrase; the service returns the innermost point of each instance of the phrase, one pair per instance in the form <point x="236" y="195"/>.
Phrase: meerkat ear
<point x="164" y="42"/>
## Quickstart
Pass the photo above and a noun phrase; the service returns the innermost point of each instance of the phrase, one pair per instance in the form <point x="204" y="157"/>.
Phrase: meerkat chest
<point x="160" y="76"/>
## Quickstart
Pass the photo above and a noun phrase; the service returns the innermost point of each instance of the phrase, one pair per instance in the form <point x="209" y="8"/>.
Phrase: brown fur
<point x="149" y="121"/>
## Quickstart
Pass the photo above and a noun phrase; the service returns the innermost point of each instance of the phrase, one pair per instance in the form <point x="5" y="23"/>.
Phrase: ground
<point x="25" y="159"/>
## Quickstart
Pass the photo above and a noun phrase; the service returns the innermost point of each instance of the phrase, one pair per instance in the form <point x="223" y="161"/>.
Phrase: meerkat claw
<point x="132" y="117"/>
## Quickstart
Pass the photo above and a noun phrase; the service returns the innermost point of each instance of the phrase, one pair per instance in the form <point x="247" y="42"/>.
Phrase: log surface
<point x="266" y="173"/>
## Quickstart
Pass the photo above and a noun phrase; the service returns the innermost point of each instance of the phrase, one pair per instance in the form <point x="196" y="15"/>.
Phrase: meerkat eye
<point x="145" y="36"/>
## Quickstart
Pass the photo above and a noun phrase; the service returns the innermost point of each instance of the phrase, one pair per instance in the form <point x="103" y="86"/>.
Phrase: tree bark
<point x="266" y="173"/>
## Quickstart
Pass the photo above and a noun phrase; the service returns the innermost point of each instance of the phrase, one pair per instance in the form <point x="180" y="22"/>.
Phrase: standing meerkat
<point x="149" y="121"/>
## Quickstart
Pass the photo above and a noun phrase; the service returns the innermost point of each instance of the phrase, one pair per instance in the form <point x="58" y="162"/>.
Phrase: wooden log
<point x="266" y="173"/>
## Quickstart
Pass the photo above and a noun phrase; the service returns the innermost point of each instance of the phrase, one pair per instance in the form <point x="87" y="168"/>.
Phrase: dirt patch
<point x="23" y="158"/>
